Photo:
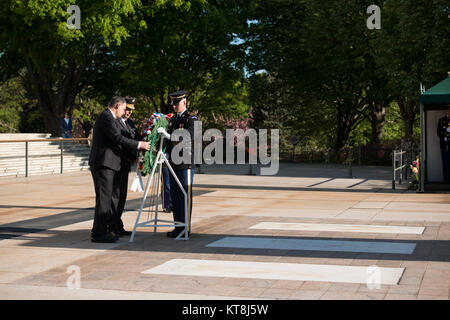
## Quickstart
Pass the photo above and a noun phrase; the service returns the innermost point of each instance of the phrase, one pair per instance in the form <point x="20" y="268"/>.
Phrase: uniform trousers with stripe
<point x="165" y="188"/>
<point x="186" y="178"/>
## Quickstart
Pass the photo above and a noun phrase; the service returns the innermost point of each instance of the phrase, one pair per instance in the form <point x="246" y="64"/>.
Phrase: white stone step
<point x="43" y="157"/>
<point x="22" y="136"/>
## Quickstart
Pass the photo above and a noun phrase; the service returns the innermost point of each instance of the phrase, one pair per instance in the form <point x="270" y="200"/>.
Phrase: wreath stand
<point x="153" y="187"/>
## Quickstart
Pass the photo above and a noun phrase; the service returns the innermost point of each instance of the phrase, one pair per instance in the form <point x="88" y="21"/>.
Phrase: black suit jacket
<point x="108" y="142"/>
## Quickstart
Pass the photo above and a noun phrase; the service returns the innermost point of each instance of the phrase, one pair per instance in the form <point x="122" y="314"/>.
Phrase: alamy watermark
<point x="374" y="21"/>
<point x="374" y="278"/>
<point x="74" y="280"/>
<point x="74" y="21"/>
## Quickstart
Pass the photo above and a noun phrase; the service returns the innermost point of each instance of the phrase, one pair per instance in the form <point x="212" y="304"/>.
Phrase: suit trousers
<point x="106" y="184"/>
<point x="186" y="178"/>
<point x="122" y="195"/>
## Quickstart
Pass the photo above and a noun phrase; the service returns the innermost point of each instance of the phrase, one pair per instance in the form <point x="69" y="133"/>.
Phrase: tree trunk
<point x="408" y="110"/>
<point x="341" y="134"/>
<point x="55" y="97"/>
<point x="377" y="122"/>
<point x="349" y="115"/>
<point x="54" y="106"/>
<point x="340" y="140"/>
<point x="162" y="102"/>
<point x="409" y="124"/>
<point x="52" y="120"/>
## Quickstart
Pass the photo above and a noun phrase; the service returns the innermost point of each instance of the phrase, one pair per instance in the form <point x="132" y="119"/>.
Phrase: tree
<point x="280" y="86"/>
<point x="60" y="62"/>
<point x="18" y="111"/>
<point x="185" y="47"/>
<point x="412" y="48"/>
<point x="10" y="105"/>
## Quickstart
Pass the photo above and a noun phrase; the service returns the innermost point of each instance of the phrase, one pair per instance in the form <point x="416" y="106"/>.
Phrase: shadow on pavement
<point x="308" y="188"/>
<point x="147" y="241"/>
<point x="305" y="170"/>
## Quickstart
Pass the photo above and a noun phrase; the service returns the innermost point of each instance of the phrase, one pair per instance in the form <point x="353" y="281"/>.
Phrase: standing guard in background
<point x="443" y="132"/>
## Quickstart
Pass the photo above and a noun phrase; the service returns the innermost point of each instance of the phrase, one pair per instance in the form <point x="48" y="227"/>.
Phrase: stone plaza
<point x="310" y="232"/>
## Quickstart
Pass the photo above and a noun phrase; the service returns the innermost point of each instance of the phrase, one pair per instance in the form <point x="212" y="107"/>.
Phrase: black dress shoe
<point x="169" y="233"/>
<point x="176" y="232"/>
<point x="106" y="238"/>
<point x="123" y="233"/>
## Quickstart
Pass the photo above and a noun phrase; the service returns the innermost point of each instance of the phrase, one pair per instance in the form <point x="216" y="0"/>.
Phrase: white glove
<point x="163" y="132"/>
<point x="137" y="185"/>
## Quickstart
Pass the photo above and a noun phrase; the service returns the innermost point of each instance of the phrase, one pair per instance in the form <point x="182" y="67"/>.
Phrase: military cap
<point x="176" y="97"/>
<point x="130" y="102"/>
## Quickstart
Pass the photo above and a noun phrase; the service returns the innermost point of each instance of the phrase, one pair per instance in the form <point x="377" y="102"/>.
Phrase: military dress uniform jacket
<point x="442" y="132"/>
<point x="183" y="122"/>
<point x="128" y="130"/>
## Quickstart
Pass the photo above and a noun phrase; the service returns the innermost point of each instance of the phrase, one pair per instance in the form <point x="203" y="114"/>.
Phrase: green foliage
<point x="310" y="69"/>
<point x="220" y="96"/>
<point x="393" y="128"/>
<point x="61" y="62"/>
<point x="186" y="47"/>
<point x="412" y="48"/>
<point x="324" y="58"/>
<point x="87" y="108"/>
<point x="11" y="105"/>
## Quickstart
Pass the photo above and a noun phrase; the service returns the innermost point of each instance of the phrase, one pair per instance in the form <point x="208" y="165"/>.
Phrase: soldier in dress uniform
<point x="443" y="132"/>
<point x="182" y="120"/>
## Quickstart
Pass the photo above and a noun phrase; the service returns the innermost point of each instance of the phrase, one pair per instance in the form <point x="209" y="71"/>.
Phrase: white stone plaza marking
<point x="338" y="227"/>
<point x="314" y="245"/>
<point x="276" y="271"/>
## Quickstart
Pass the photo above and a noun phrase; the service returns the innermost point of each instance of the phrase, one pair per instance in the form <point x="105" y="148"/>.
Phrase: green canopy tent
<point x="439" y="94"/>
<point x="433" y="105"/>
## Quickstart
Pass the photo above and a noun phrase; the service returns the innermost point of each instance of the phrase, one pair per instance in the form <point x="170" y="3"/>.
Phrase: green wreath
<point x="149" y="156"/>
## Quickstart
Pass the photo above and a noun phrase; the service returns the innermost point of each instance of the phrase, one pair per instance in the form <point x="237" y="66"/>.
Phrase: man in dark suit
<point x="66" y="126"/>
<point x="105" y="163"/>
<point x="128" y="158"/>
<point x="183" y="120"/>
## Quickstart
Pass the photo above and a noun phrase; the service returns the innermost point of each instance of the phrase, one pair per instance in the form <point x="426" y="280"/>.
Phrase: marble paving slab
<point x="338" y="228"/>
<point x="314" y="245"/>
<point x="279" y="271"/>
